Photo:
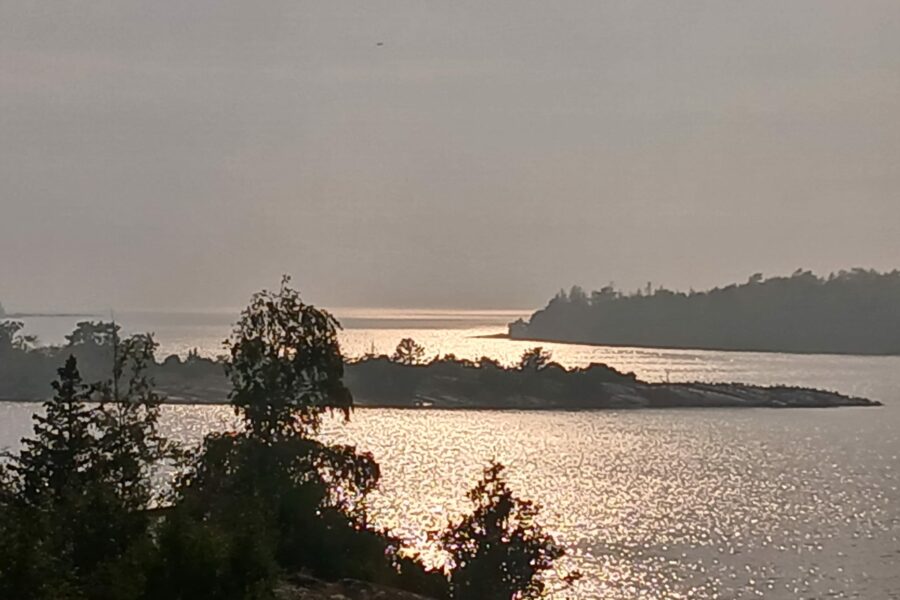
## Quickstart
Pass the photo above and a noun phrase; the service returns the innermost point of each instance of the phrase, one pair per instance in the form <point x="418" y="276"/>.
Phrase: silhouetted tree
<point x="577" y="295"/>
<point x="273" y="497"/>
<point x="12" y="340"/>
<point x="46" y="494"/>
<point x="128" y="419"/>
<point x="95" y="345"/>
<point x="285" y="366"/>
<point x="534" y="359"/>
<point x="408" y="352"/>
<point x="499" y="551"/>
<point x="79" y="490"/>
<point x="25" y="369"/>
<point x="93" y="333"/>
<point x="54" y="463"/>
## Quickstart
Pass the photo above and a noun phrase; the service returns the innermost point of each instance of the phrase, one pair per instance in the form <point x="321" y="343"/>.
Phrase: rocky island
<point x="406" y="380"/>
<point x="451" y="383"/>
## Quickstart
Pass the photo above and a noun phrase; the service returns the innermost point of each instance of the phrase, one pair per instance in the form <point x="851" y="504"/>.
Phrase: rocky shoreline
<point x="308" y="588"/>
<point x="458" y="384"/>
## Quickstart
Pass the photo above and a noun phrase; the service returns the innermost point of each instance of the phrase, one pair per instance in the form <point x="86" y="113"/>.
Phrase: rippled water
<point x="741" y="503"/>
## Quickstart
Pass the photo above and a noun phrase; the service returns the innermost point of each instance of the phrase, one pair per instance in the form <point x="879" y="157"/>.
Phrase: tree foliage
<point x="305" y="499"/>
<point x="57" y="460"/>
<point x="79" y="491"/>
<point x="852" y="312"/>
<point x="499" y="551"/>
<point x="11" y="338"/>
<point x="128" y="419"/>
<point x="408" y="352"/>
<point x="285" y="365"/>
<point x="81" y="516"/>
<point x="534" y="359"/>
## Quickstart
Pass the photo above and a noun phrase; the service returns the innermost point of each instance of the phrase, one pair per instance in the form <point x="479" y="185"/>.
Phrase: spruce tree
<point x="54" y="464"/>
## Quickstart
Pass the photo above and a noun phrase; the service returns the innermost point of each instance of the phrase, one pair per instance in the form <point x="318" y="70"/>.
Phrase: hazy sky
<point x="183" y="154"/>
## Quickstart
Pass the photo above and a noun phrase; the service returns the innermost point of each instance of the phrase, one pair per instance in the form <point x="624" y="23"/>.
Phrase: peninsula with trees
<point x="849" y="312"/>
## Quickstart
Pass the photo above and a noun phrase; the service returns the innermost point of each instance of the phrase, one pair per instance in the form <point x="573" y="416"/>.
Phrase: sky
<point x="181" y="155"/>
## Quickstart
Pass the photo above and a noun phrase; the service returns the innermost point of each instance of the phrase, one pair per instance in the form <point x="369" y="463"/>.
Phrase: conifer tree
<point x="54" y="464"/>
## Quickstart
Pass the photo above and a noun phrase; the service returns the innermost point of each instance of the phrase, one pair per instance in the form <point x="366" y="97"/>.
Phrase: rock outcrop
<point x="307" y="588"/>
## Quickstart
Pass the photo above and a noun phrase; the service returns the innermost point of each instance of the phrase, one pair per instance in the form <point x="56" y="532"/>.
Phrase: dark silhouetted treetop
<point x="53" y="464"/>
<point x="77" y="496"/>
<point x="285" y="365"/>
<point x="852" y="312"/>
<point x="275" y="497"/>
<point x="93" y="334"/>
<point x="128" y="417"/>
<point x="534" y="359"/>
<point x="408" y="352"/>
<point x="11" y="338"/>
<point x="499" y="552"/>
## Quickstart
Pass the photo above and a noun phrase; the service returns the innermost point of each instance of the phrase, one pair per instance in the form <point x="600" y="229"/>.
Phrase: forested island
<point x="849" y="312"/>
<point x="404" y="380"/>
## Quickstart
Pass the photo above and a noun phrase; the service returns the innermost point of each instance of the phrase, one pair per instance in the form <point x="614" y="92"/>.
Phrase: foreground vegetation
<point x="850" y="312"/>
<point x="80" y="516"/>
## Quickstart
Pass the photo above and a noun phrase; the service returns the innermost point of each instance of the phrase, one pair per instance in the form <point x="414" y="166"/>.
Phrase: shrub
<point x="499" y="551"/>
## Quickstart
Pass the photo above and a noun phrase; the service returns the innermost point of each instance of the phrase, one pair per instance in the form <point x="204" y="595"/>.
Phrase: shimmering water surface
<point x="696" y="503"/>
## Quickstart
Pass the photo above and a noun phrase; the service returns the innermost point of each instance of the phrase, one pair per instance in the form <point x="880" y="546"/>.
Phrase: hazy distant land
<point x="30" y="315"/>
<point x="850" y="312"/>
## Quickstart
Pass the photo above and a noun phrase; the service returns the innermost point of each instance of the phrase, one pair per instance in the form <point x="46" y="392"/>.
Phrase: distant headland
<point x="30" y="315"/>
<point x="849" y="312"/>
<point x="33" y="315"/>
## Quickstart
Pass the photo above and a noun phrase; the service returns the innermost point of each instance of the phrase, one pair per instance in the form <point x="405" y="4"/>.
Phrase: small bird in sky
<point x="380" y="44"/>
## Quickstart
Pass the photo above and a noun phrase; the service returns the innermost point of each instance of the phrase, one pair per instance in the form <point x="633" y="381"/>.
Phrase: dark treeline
<point x="850" y="312"/>
<point x="407" y="379"/>
<point x="254" y="513"/>
<point x="536" y="382"/>
<point x="26" y="368"/>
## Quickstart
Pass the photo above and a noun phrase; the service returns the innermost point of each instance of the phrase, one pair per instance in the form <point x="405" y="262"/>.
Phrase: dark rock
<point x="307" y="588"/>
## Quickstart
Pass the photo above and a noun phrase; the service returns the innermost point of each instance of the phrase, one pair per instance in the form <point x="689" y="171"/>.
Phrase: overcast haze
<point x="178" y="155"/>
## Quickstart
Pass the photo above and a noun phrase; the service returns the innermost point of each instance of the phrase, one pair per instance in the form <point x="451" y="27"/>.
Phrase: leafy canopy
<point x="408" y="352"/>
<point x="285" y="365"/>
<point x="534" y="359"/>
<point x="499" y="551"/>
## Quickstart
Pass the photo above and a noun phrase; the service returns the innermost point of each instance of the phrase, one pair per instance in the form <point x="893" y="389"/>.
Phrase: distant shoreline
<point x="848" y="313"/>
<point x="539" y="340"/>
<point x="529" y="409"/>
<point x="48" y="315"/>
